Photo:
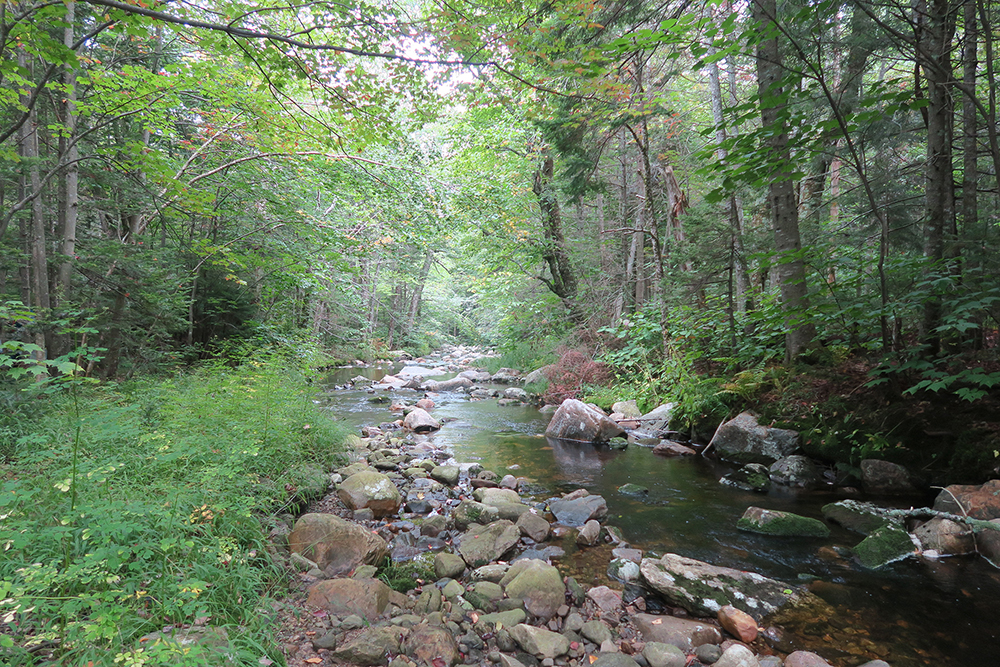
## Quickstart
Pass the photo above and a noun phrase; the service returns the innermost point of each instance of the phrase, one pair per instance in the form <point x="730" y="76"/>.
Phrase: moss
<point x="633" y="490"/>
<point x="784" y="524"/>
<point x="885" y="545"/>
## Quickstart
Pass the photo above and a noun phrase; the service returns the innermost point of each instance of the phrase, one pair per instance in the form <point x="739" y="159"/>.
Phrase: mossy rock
<point x="633" y="490"/>
<point x="784" y="524"/>
<point x="859" y="517"/>
<point x="885" y="545"/>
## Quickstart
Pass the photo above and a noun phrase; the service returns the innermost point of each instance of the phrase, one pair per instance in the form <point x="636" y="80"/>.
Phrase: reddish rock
<point x="682" y="633"/>
<point x="335" y="545"/>
<point x="978" y="501"/>
<point x="343" y="597"/>
<point x="946" y="537"/>
<point x="605" y="598"/>
<point x="805" y="659"/>
<point x="738" y="623"/>
<point x="671" y="448"/>
<point x="425" y="404"/>
<point x="575" y="420"/>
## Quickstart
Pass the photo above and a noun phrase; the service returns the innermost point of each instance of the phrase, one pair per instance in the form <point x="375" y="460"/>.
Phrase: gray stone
<point x="658" y="654"/>
<point x="448" y="566"/>
<point x="805" y="659"/>
<point x="606" y="599"/>
<point x="860" y="517"/>
<point x="537" y="583"/>
<point x="631" y="489"/>
<point x="669" y="448"/>
<point x="614" y="660"/>
<point x="371" y="647"/>
<point x="737" y="655"/>
<point x="447" y="475"/>
<point x="708" y="653"/>
<point x="873" y="663"/>
<point x="575" y="420"/>
<point x="775" y="661"/>
<point x="590" y="534"/>
<point x="493" y="572"/>
<point x="452" y="589"/>
<point x="447" y="385"/>
<point x="989" y="544"/>
<point x="680" y="632"/>
<point x="515" y="393"/>
<point x="627" y="409"/>
<point x="539" y="642"/>
<point x="886" y="478"/>
<point x="428" y="644"/>
<point x="596" y="632"/>
<point x="533" y="526"/>
<point x="371" y="490"/>
<point x="335" y="545"/>
<point x="795" y="470"/>
<point x="579" y="511"/>
<point x="625" y="571"/>
<point x="420" y="421"/>
<point x="486" y="544"/>
<point x="506" y="619"/>
<point x="469" y="512"/>
<point x="658" y="419"/>
<point x="751" y="477"/>
<point x="703" y="589"/>
<point x="496" y="497"/>
<point x="743" y="440"/>
<point x="429" y="601"/>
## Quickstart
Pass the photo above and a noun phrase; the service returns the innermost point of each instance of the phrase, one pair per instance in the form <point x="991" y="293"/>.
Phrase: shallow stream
<point x="916" y="612"/>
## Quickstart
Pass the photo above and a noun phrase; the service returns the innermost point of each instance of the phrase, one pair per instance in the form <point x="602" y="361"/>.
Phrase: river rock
<point x="989" y="544"/>
<point x="683" y="633"/>
<point x="537" y="583"/>
<point x="506" y="376"/>
<point x="978" y="501"/>
<point x="627" y="409"/>
<point x="657" y="420"/>
<point x="575" y="420"/>
<point x="578" y="511"/>
<point x="391" y="382"/>
<point x="342" y="597"/>
<point x="738" y="623"/>
<point x="515" y="393"/>
<point x="475" y="375"/>
<point x="447" y="385"/>
<point x="703" y="589"/>
<point x="420" y="421"/>
<point x="335" y="545"/>
<point x="486" y="544"/>
<point x="606" y="599"/>
<point x="429" y="644"/>
<point x="371" y="490"/>
<point x="805" y="659"/>
<point x="448" y="566"/>
<point x="469" y="512"/>
<point x="670" y="448"/>
<point x="947" y="537"/>
<point x="885" y="545"/>
<point x="533" y="526"/>
<point x="538" y="375"/>
<point x="590" y="534"/>
<point x="743" y="440"/>
<point x="539" y="642"/>
<point x="631" y="489"/>
<point x="371" y="647"/>
<point x="659" y="654"/>
<point x="496" y="496"/>
<point x="614" y="659"/>
<point x="795" y="470"/>
<point x="751" y="477"/>
<point x="785" y="524"/>
<point x="854" y="515"/>
<point x="447" y="475"/>
<point x="886" y="478"/>
<point x="625" y="571"/>
<point x="737" y="655"/>
<point x="596" y="632"/>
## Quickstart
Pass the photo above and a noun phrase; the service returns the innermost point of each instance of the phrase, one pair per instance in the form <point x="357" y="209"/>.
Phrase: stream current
<point x="944" y="613"/>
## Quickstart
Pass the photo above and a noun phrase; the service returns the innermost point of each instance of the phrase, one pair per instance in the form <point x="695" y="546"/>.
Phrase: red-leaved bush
<point x="568" y="375"/>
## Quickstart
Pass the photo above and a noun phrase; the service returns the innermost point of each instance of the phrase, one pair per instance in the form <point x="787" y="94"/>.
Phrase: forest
<point x="786" y="206"/>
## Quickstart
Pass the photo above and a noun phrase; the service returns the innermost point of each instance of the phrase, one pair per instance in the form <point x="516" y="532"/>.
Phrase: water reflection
<point x="580" y="463"/>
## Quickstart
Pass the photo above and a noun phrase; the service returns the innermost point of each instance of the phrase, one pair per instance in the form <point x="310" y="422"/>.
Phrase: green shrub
<point x="173" y="480"/>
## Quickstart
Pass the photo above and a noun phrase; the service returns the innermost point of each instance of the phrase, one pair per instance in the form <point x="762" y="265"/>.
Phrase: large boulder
<point x="743" y="440"/>
<point x="657" y="420"/>
<point x="578" y="511"/>
<point x="704" y="589"/>
<point x="335" y="545"/>
<point x="978" y="501"/>
<point x="784" y="524"/>
<point x="854" y="515"/>
<point x="680" y="632"/>
<point x="342" y="597"/>
<point x="885" y="545"/>
<point x="372" y="490"/>
<point x="946" y="537"/>
<point x="447" y="385"/>
<point x="485" y="544"/>
<point x="670" y="448"/>
<point x="627" y="409"/>
<point x="372" y="646"/>
<point x="795" y="470"/>
<point x="420" y="421"/>
<point x="751" y="477"/>
<point x="887" y="478"/>
<point x="575" y="420"/>
<point x="537" y="583"/>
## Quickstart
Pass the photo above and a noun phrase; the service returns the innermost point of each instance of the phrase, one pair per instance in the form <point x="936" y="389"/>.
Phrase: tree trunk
<point x="418" y="291"/>
<point x="71" y="155"/>
<point x="562" y="281"/>
<point x="799" y="332"/>
<point x="934" y="58"/>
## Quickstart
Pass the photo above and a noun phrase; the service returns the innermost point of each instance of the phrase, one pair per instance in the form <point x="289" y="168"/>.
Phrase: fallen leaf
<point x="314" y="661"/>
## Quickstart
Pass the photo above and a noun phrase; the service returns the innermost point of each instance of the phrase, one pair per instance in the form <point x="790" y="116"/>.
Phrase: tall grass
<point x="175" y="485"/>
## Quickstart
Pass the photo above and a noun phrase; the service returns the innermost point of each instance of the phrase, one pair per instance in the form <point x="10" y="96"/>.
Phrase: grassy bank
<point x="164" y="521"/>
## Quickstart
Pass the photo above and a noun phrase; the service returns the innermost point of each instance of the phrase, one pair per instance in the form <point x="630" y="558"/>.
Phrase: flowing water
<point x="916" y="612"/>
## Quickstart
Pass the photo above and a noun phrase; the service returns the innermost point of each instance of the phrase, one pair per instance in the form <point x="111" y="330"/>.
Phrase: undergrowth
<point x="174" y="485"/>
